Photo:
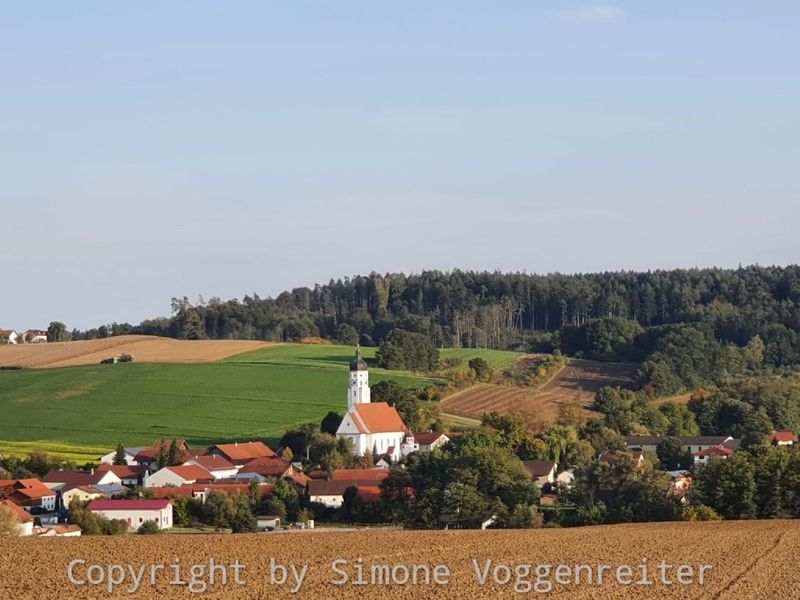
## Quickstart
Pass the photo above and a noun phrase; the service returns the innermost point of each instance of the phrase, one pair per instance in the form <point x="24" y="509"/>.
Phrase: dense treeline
<point x="762" y="482"/>
<point x="688" y="328"/>
<point x="498" y="310"/>
<point x="748" y="409"/>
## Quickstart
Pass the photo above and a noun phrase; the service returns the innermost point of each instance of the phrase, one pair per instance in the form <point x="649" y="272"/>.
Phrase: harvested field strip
<point x="143" y="347"/>
<point x="749" y="559"/>
<point x="578" y="381"/>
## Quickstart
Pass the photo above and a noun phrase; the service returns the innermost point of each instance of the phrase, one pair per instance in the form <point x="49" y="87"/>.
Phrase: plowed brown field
<point x="144" y="348"/>
<point x="749" y="560"/>
<point x="579" y="380"/>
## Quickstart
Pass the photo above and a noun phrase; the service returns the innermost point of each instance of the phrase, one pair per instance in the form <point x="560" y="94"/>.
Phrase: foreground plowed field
<point x="144" y="348"/>
<point x="579" y="380"/>
<point x="748" y="560"/>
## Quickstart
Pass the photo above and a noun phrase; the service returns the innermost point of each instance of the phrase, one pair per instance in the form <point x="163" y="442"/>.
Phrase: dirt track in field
<point x="144" y="348"/>
<point x="749" y="559"/>
<point x="579" y="380"/>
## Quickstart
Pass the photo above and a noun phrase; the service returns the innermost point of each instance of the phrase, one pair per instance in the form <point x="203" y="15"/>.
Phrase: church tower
<point x="358" y="393"/>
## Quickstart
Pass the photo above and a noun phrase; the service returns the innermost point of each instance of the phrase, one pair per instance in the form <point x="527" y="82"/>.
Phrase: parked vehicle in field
<point x="112" y="360"/>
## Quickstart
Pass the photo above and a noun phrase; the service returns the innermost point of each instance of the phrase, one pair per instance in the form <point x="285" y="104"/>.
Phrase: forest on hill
<point x="687" y="327"/>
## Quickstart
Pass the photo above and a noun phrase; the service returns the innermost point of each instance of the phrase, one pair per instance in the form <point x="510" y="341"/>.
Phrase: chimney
<point x="91" y="471"/>
<point x="236" y="444"/>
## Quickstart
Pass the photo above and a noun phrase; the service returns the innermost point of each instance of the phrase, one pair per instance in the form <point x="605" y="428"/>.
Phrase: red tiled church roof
<point x="377" y="417"/>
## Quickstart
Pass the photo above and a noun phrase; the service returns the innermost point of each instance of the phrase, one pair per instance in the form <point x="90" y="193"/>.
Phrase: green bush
<point x="148" y="528"/>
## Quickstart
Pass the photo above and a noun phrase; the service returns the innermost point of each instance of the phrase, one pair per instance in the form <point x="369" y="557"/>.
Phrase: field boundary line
<point x="778" y="541"/>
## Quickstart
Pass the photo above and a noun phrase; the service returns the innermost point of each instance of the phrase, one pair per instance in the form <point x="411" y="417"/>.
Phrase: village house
<point x="360" y="476"/>
<point x="691" y="443"/>
<point x="129" y="475"/>
<point x="782" y="438"/>
<point x="29" y="494"/>
<point x="34" y="336"/>
<point x="241" y="453"/>
<point x="330" y="492"/>
<point x="9" y="336"/>
<point x="219" y="466"/>
<point x="372" y="427"/>
<point x="269" y="469"/>
<point x="429" y="441"/>
<point x="179" y="475"/>
<point x="135" y="512"/>
<point x="81" y="493"/>
<point x="702" y="457"/>
<point x="25" y="520"/>
<point x="149" y="456"/>
<point x="84" y="485"/>
<point x="541" y="471"/>
<point x="611" y="456"/>
<point x="424" y="442"/>
<point x="62" y="480"/>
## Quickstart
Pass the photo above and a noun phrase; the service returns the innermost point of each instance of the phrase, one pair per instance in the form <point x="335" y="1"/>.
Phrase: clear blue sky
<point x="159" y="149"/>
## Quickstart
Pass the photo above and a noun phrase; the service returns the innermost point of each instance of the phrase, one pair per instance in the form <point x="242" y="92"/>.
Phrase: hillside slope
<point x="578" y="380"/>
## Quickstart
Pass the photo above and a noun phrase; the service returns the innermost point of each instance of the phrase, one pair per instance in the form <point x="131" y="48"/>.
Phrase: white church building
<point x="372" y="426"/>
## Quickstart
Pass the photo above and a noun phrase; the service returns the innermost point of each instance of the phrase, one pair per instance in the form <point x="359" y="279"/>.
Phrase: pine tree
<point x="120" y="458"/>
<point x="162" y="456"/>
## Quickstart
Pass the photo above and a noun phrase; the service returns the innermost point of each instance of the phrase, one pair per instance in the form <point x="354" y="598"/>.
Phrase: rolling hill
<point x="84" y="411"/>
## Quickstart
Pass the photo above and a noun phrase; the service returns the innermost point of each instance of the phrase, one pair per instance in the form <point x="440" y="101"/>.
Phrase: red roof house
<point x="242" y="453"/>
<point x="179" y="475"/>
<point x="703" y="456"/>
<point x="28" y="493"/>
<point x="782" y="438"/>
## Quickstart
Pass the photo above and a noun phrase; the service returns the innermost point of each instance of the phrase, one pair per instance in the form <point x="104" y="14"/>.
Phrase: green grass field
<point x="79" y="412"/>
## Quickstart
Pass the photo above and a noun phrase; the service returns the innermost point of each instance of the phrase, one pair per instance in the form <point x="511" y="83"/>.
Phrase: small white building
<point x="129" y="475"/>
<point x="180" y="475"/>
<point x="135" y="512"/>
<point x="372" y="427"/>
<point x="541" y="471"/>
<point x="429" y="441"/>
<point x="566" y="478"/>
<point x="329" y="493"/>
<point x="702" y="457"/>
<point x="34" y="336"/>
<point x="82" y="493"/>
<point x="9" y="336"/>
